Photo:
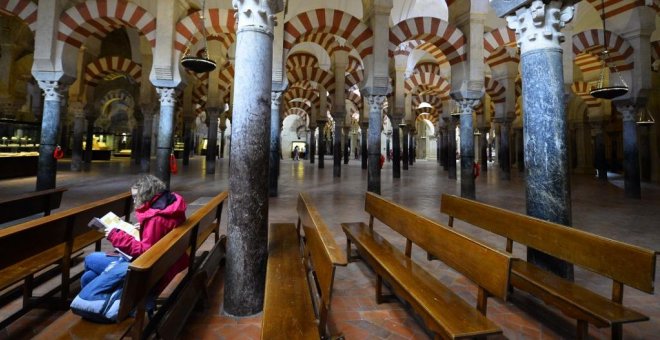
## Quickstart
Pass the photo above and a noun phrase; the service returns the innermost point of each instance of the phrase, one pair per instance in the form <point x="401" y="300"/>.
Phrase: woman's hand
<point x="107" y="231"/>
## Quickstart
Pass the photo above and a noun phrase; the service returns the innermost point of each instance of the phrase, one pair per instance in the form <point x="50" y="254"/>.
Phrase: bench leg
<point x="617" y="331"/>
<point x="582" y="329"/>
<point x="380" y="298"/>
<point x="27" y="289"/>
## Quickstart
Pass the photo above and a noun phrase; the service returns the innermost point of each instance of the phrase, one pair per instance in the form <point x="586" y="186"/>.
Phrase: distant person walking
<point x="296" y="154"/>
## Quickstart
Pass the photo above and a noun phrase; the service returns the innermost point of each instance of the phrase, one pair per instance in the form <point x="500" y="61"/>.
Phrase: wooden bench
<point x="444" y="312"/>
<point x="37" y="250"/>
<point x="144" y="274"/>
<point x="625" y="264"/>
<point x="289" y="308"/>
<point x="32" y="203"/>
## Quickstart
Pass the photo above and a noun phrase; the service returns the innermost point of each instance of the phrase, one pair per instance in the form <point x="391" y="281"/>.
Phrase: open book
<point x="110" y="220"/>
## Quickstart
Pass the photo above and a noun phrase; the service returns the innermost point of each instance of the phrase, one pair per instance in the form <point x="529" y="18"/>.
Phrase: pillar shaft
<point x="76" y="148"/>
<point x="321" y="124"/>
<point x="404" y="154"/>
<point x="89" y="139"/>
<point x="337" y="147"/>
<point x="411" y="147"/>
<point x="147" y="132"/>
<point x="375" y="128"/>
<point x="396" y="145"/>
<point x="600" y="157"/>
<point x="451" y="149"/>
<point x="212" y="139"/>
<point x="467" y="148"/>
<point x="345" y="143"/>
<point x="631" y="176"/>
<point x="165" y="133"/>
<point x="50" y="123"/>
<point x="222" y="141"/>
<point x="545" y="123"/>
<point x="247" y="228"/>
<point x="312" y="143"/>
<point x="274" y="161"/>
<point x="187" y="139"/>
<point x="505" y="152"/>
<point x="520" y="150"/>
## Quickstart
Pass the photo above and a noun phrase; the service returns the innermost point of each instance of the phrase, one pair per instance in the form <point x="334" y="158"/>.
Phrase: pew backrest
<point x="31" y="203"/>
<point x="624" y="263"/>
<point x="487" y="267"/>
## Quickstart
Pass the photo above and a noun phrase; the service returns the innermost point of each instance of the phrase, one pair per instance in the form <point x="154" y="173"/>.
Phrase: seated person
<point x="158" y="211"/>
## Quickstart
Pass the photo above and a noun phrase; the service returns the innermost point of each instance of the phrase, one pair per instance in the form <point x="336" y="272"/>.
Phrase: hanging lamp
<point x="200" y="64"/>
<point x="645" y="117"/>
<point x="602" y="90"/>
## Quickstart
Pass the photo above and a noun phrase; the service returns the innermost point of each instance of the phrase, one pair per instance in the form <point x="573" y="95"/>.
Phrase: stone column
<point x="188" y="122"/>
<point x="451" y="148"/>
<point x="364" y="127"/>
<point x="247" y="228"/>
<point x="600" y="158"/>
<point x="90" y="136"/>
<point x="520" y="150"/>
<point x="145" y="162"/>
<point x="274" y="163"/>
<point x="396" y="146"/>
<point x="167" y="97"/>
<point x="645" y="152"/>
<point x="411" y="145"/>
<point x="404" y="156"/>
<point x="505" y="152"/>
<point x="467" y="147"/>
<point x="50" y="123"/>
<point x="345" y="143"/>
<point x="136" y="154"/>
<point x="312" y="142"/>
<point x="545" y="123"/>
<point x="337" y="146"/>
<point x="631" y="177"/>
<point x="375" y="128"/>
<point x="445" y="145"/>
<point x="212" y="139"/>
<point x="321" y="124"/>
<point x="78" y="129"/>
<point x="222" y="140"/>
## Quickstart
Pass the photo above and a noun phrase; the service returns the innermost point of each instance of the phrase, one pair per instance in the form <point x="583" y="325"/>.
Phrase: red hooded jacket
<point x="157" y="217"/>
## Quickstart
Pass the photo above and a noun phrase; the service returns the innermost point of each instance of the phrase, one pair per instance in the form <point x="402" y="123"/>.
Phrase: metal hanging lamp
<point x="200" y="64"/>
<point x="602" y="90"/>
<point x="645" y="117"/>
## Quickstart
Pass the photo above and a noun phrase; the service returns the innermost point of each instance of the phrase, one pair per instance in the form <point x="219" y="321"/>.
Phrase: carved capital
<point x="376" y="103"/>
<point x="53" y="90"/>
<point x="77" y="110"/>
<point x="276" y="99"/>
<point x="467" y="106"/>
<point x="166" y="95"/>
<point x="538" y="26"/>
<point x="256" y="15"/>
<point x="627" y="111"/>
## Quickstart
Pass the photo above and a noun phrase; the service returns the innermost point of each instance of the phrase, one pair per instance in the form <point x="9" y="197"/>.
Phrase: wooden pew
<point x="143" y="275"/>
<point x="625" y="264"/>
<point x="32" y="203"/>
<point x="445" y="313"/>
<point x="48" y="244"/>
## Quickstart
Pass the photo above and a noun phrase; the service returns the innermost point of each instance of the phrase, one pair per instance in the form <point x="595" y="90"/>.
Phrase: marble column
<point x="247" y="227"/>
<point x="631" y="176"/>
<point x="167" y="97"/>
<point x="545" y="121"/>
<point x="364" y="148"/>
<point x="345" y="143"/>
<point x="396" y="146"/>
<point x="78" y="129"/>
<point x="505" y="152"/>
<point x="375" y="129"/>
<point x="90" y="137"/>
<point x="520" y="150"/>
<point x="212" y="139"/>
<point x="445" y="146"/>
<point x="145" y="162"/>
<point x="451" y="148"/>
<point x="136" y="154"/>
<point x="274" y="161"/>
<point x="50" y="123"/>
<point x="411" y="146"/>
<point x="188" y="124"/>
<point x="222" y="141"/>
<point x="600" y="158"/>
<point x="467" y="147"/>
<point x="406" y="149"/>
<point x="321" y="124"/>
<point x="312" y="143"/>
<point x="645" y="152"/>
<point x="337" y="147"/>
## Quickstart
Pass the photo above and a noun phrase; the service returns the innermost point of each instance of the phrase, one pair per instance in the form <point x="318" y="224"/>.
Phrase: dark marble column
<point x="274" y="161"/>
<point x="545" y="120"/>
<point x="483" y="150"/>
<point x="247" y="227"/>
<point x="78" y="129"/>
<point x="364" y="149"/>
<point x="212" y="139"/>
<point x="223" y="128"/>
<point x="600" y="158"/>
<point x="90" y="137"/>
<point x="645" y="152"/>
<point x="312" y="143"/>
<point x="167" y="96"/>
<point x="445" y="146"/>
<point x="520" y="150"/>
<point x="631" y="177"/>
<point x="396" y="145"/>
<point x="404" y="154"/>
<point x="345" y="143"/>
<point x="50" y="123"/>
<point x="411" y="146"/>
<point x="468" y="189"/>
<point x="321" y="124"/>
<point x="188" y="123"/>
<point x="505" y="161"/>
<point x="145" y="162"/>
<point x="336" y="147"/>
<point x="137" y="143"/>
<point x="451" y="148"/>
<point x="375" y="129"/>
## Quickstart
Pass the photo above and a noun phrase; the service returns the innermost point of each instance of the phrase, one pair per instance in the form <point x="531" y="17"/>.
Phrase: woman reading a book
<point x="158" y="211"/>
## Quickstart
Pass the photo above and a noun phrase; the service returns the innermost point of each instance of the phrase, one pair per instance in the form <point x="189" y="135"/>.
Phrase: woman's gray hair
<point x="147" y="187"/>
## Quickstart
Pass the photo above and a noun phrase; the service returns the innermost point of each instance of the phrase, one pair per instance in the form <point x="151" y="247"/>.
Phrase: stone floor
<point x="598" y="207"/>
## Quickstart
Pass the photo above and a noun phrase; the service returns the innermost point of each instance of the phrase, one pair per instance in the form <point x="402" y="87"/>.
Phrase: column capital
<point x="467" y="105"/>
<point x="256" y="15"/>
<point x="53" y="90"/>
<point x="627" y="111"/>
<point x="276" y="98"/>
<point x="538" y="25"/>
<point x="376" y="103"/>
<point x="167" y="96"/>
<point x="77" y="110"/>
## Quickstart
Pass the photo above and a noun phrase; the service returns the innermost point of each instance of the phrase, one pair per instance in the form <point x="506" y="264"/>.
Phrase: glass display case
<point x="19" y="148"/>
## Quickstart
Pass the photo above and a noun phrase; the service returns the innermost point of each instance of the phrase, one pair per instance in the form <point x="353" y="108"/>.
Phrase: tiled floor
<point x="597" y="207"/>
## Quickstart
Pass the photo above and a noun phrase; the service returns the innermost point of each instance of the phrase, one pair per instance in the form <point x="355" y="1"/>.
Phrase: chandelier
<point x="602" y="90"/>
<point x="202" y="63"/>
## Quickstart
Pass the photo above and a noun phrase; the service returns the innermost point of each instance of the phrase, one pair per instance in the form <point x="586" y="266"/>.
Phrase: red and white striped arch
<point x="314" y="74"/>
<point x="497" y="38"/>
<point x="592" y="42"/>
<point x="427" y="67"/>
<point x="582" y="89"/>
<point x="101" y="17"/>
<point x="503" y="55"/>
<point x="217" y="21"/>
<point x="327" y="41"/>
<point x="446" y="37"/>
<point x="301" y="59"/>
<point x="356" y="99"/>
<point x="305" y="105"/>
<point x="432" y="80"/>
<point x="354" y="64"/>
<point x="226" y="40"/>
<point x="225" y="77"/>
<point x="99" y="69"/>
<point x="331" y="21"/>
<point x="495" y="90"/>
<point x="301" y="93"/>
<point x="615" y="7"/>
<point x="24" y="9"/>
<point x="295" y="111"/>
<point x="432" y="99"/>
<point x="353" y="79"/>
<point x="427" y="115"/>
